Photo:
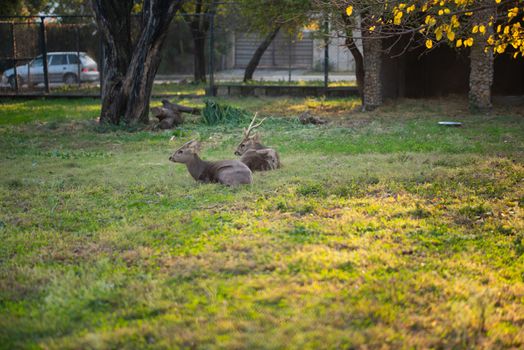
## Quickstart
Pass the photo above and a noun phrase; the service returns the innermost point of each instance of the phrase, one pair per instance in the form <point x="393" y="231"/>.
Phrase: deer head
<point x="186" y="153"/>
<point x="250" y="141"/>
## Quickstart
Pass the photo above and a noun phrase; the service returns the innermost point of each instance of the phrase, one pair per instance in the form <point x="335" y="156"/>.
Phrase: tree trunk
<point x="199" y="55"/>
<point x="199" y="25"/>
<point x="359" y="65"/>
<point x="129" y="72"/>
<point x="255" y="60"/>
<point x="357" y="56"/>
<point x="372" y="48"/>
<point x="481" y="67"/>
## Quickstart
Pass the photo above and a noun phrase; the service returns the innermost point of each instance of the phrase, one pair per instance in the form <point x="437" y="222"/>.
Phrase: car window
<point x="73" y="59"/>
<point x="86" y="60"/>
<point x="59" y="60"/>
<point x="37" y="63"/>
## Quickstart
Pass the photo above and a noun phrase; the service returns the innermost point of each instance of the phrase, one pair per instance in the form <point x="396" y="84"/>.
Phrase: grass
<point x="382" y="230"/>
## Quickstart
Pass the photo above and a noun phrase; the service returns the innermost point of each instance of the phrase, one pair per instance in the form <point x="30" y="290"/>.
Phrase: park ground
<point x="381" y="230"/>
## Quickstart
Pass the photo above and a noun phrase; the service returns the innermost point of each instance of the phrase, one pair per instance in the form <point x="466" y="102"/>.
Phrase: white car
<point x="62" y="67"/>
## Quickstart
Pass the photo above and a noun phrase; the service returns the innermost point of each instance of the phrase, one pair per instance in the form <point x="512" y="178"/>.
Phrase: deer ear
<point x="196" y="146"/>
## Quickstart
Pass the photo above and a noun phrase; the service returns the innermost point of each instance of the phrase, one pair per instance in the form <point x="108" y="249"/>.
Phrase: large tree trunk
<point x="259" y="52"/>
<point x="481" y="67"/>
<point x="129" y="71"/>
<point x="372" y="48"/>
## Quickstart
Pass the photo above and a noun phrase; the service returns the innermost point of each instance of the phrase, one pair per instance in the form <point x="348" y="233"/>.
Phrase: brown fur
<point x="257" y="156"/>
<point x="227" y="172"/>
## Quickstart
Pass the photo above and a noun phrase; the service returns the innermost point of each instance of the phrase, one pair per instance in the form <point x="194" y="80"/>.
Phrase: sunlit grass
<point x="381" y="230"/>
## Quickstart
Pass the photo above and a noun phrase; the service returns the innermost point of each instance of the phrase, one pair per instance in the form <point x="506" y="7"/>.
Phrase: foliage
<point x="291" y="15"/>
<point x="22" y="7"/>
<point x="496" y="24"/>
<point x="369" y="224"/>
<point x="215" y="113"/>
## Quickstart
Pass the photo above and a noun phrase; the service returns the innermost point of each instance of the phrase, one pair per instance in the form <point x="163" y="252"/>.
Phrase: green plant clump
<point x="215" y="113"/>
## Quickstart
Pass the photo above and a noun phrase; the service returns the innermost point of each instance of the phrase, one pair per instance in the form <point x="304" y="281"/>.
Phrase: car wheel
<point x="70" y="79"/>
<point x="12" y="82"/>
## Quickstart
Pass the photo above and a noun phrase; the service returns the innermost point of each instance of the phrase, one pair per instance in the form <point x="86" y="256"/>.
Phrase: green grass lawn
<point x="382" y="230"/>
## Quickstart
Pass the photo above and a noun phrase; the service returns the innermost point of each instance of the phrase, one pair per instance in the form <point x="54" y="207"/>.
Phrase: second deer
<point x="253" y="153"/>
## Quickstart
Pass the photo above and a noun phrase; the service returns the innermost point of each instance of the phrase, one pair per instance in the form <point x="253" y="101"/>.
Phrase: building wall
<point x="304" y="53"/>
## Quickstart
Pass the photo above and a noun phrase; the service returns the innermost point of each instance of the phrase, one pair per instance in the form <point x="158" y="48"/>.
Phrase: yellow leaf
<point x="349" y="10"/>
<point x="429" y="43"/>
<point x="482" y="29"/>
<point x="438" y="34"/>
<point x="513" y="12"/>
<point x="468" y="42"/>
<point x="451" y="35"/>
<point x="475" y="29"/>
<point x="497" y="1"/>
<point x="372" y="28"/>
<point x="459" y="43"/>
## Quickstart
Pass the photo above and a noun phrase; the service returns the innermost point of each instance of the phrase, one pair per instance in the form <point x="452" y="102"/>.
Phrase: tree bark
<point x="481" y="67"/>
<point x="259" y="52"/>
<point x="199" y="55"/>
<point x="129" y="71"/>
<point x="199" y="24"/>
<point x="359" y="65"/>
<point x="357" y="56"/>
<point x="372" y="48"/>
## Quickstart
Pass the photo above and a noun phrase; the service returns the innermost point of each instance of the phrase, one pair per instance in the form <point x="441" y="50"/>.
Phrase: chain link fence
<point x="63" y="56"/>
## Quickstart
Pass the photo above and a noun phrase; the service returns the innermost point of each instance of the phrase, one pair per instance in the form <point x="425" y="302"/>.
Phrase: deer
<point x="253" y="153"/>
<point x="227" y="172"/>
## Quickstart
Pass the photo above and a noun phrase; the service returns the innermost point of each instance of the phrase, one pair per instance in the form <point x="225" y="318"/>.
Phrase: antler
<point x="252" y="127"/>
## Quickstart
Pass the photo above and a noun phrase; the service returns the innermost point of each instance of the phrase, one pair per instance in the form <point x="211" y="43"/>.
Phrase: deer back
<point x="261" y="159"/>
<point x="227" y="172"/>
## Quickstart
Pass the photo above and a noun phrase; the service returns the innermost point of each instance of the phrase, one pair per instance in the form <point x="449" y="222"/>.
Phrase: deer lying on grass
<point x="227" y="172"/>
<point x="253" y="153"/>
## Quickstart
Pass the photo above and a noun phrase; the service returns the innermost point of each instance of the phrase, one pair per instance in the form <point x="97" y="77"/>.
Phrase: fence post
<point x="211" y="88"/>
<point x="102" y="63"/>
<point x="326" y="53"/>
<point x="43" y="41"/>
<point x="13" y="48"/>
<point x="78" y="56"/>
<point x="289" y="59"/>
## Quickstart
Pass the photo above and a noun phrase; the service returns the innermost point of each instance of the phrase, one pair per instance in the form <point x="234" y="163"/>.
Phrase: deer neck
<point x="258" y="145"/>
<point x="196" y="167"/>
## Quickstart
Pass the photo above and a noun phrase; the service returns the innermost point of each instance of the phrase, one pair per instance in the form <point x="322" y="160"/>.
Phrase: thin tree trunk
<point x="259" y="52"/>
<point x="357" y="56"/>
<point x="199" y="55"/>
<point x="359" y="64"/>
<point x="199" y="25"/>
<point x="128" y="73"/>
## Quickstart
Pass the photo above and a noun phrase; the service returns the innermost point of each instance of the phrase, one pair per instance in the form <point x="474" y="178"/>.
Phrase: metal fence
<point x="62" y="55"/>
